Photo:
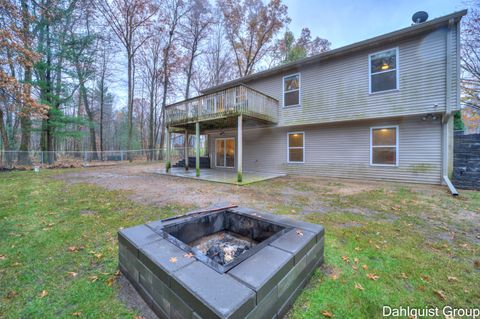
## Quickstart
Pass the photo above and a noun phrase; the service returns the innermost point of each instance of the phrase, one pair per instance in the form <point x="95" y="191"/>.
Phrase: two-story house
<point x="376" y="109"/>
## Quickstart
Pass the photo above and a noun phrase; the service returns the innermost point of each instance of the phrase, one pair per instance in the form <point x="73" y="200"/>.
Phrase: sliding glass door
<point x="225" y="152"/>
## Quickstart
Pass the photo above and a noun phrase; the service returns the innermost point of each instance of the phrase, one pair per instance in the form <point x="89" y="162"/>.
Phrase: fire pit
<point x="224" y="263"/>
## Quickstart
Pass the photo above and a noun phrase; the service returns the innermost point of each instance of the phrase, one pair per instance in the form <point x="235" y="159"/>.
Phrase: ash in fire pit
<point x="222" y="247"/>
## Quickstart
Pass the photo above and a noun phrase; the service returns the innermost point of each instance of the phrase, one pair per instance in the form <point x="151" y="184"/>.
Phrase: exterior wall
<point x="343" y="150"/>
<point x="337" y="90"/>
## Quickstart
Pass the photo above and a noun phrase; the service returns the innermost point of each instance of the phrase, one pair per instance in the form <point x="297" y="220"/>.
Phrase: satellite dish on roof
<point x="419" y="17"/>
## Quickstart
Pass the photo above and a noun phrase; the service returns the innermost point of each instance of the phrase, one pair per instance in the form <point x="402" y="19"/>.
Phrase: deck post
<point x="197" y="148"/>
<point x="240" y="149"/>
<point x="168" y="163"/>
<point x="185" y="145"/>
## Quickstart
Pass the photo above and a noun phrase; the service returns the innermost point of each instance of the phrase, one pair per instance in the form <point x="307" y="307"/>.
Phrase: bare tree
<point x="194" y="30"/>
<point x="129" y="20"/>
<point x="174" y="11"/>
<point x="151" y="59"/>
<point x="251" y="27"/>
<point x="470" y="57"/>
<point x="216" y="63"/>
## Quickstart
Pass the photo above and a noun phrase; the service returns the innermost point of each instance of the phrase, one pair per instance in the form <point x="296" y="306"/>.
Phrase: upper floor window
<point x="291" y="90"/>
<point x="383" y="70"/>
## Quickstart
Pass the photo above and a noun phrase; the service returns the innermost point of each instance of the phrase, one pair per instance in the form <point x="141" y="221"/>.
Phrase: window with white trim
<point x="384" y="146"/>
<point x="291" y="90"/>
<point x="383" y="70"/>
<point x="296" y="147"/>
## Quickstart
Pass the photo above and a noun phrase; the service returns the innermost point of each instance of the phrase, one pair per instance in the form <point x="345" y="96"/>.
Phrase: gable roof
<point x="386" y="38"/>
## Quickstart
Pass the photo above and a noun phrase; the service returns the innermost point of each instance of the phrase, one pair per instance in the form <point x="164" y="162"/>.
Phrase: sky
<point x="344" y="22"/>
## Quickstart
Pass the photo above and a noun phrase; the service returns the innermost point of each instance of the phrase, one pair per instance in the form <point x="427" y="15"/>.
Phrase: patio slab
<point x="226" y="176"/>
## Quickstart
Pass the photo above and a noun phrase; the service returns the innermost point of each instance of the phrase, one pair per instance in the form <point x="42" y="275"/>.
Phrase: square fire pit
<point x="224" y="263"/>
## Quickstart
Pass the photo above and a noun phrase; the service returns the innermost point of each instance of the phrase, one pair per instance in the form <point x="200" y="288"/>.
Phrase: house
<point x="377" y="109"/>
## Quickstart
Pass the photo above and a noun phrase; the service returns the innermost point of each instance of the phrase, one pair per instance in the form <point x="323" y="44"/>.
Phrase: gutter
<point x="452" y="188"/>
<point x="446" y="119"/>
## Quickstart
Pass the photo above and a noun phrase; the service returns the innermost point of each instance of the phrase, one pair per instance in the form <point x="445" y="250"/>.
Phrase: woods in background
<point x="95" y="75"/>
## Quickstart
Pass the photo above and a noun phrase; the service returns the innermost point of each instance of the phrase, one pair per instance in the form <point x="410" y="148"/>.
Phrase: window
<point x="296" y="147"/>
<point x="384" y="146"/>
<point x="383" y="70"/>
<point x="291" y="90"/>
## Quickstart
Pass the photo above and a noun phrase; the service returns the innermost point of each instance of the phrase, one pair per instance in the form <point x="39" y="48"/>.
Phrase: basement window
<point x="291" y="90"/>
<point x="296" y="147"/>
<point x="383" y="71"/>
<point x="384" y="146"/>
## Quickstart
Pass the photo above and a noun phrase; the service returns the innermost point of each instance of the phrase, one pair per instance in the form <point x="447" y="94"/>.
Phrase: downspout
<point x="446" y="119"/>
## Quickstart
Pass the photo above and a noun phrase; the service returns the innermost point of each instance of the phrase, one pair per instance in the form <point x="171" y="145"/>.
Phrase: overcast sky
<point x="346" y="21"/>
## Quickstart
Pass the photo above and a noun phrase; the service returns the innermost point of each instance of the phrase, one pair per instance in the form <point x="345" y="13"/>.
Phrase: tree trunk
<point x="130" y="103"/>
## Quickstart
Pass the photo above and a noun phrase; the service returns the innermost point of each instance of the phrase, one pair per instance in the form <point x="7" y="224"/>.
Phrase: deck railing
<point x="230" y="102"/>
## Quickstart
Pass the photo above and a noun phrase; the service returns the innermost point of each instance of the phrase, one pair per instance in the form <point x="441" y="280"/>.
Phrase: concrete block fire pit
<point x="223" y="263"/>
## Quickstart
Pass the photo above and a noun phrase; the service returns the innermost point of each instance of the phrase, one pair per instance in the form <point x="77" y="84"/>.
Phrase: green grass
<point x="40" y="219"/>
<point x="398" y="239"/>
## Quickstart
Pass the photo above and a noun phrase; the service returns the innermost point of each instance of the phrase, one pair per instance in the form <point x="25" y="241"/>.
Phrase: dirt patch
<point x="294" y="196"/>
<point x="130" y="297"/>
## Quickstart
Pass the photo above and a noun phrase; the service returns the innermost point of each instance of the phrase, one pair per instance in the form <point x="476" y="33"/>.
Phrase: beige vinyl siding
<point x="337" y="90"/>
<point x="343" y="150"/>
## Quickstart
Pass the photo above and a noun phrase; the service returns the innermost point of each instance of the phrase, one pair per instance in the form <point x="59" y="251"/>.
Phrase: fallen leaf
<point x="425" y="278"/>
<point x="173" y="259"/>
<point x="346" y="259"/>
<point x="77" y="314"/>
<point x="99" y="255"/>
<point x="359" y="287"/>
<point x="138" y="317"/>
<point x="327" y="314"/>
<point x="357" y="249"/>
<point x="118" y="273"/>
<point x="451" y="278"/>
<point x="334" y="276"/>
<point x="365" y="267"/>
<point x="440" y="294"/>
<point x="93" y="278"/>
<point x="404" y="275"/>
<point x="111" y="280"/>
<point x="12" y="294"/>
<point x="354" y="267"/>
<point x="72" y="249"/>
<point x="477" y="264"/>
<point x="356" y="260"/>
<point x="72" y="274"/>
<point x="372" y="277"/>
<point x="43" y="294"/>
<point x="3" y="257"/>
<point x="299" y="233"/>
<point x="189" y="255"/>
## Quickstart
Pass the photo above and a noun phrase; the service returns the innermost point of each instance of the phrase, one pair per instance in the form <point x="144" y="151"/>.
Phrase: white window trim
<point x="397" y="150"/>
<point x="299" y="91"/>
<point x="397" y="69"/>
<point x="224" y="153"/>
<point x="295" y="147"/>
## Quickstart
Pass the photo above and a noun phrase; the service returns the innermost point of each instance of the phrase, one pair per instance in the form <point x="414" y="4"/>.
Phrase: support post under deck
<point x="168" y="163"/>
<point x="197" y="149"/>
<point x="240" y="149"/>
<point x="185" y="145"/>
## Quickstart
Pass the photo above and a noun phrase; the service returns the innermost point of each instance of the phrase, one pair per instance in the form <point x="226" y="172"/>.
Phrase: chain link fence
<point x="66" y="159"/>
<point x="70" y="159"/>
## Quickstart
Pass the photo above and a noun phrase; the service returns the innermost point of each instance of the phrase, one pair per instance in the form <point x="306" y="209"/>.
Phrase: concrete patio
<point x="227" y="176"/>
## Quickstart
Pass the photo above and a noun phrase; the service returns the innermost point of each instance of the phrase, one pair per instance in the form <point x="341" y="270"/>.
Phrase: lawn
<point x="386" y="245"/>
